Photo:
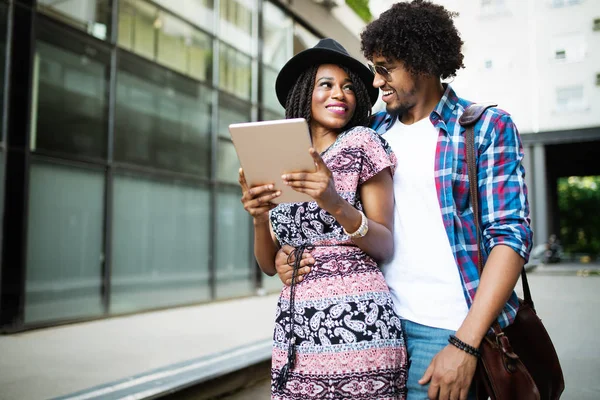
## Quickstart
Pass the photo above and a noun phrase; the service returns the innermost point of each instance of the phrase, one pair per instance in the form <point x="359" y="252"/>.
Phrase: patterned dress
<point x="348" y="340"/>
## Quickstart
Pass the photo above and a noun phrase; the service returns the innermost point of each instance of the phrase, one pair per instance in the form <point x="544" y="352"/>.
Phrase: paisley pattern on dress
<point x="349" y="342"/>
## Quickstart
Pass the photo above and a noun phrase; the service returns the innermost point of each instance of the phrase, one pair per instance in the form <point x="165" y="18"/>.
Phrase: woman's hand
<point x="257" y="200"/>
<point x="319" y="184"/>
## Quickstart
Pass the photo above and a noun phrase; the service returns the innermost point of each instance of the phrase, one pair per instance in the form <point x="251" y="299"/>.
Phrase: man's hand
<point x="285" y="270"/>
<point x="450" y="372"/>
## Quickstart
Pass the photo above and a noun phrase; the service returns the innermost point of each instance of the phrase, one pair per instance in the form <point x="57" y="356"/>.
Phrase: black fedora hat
<point x="327" y="51"/>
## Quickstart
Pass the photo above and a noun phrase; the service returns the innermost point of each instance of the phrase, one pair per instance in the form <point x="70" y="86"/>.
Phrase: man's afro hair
<point x="420" y="34"/>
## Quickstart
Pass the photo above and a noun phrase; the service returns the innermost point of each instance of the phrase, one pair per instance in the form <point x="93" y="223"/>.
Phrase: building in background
<point x="119" y="173"/>
<point x="540" y="60"/>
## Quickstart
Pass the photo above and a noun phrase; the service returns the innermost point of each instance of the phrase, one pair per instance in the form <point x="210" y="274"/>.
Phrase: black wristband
<point x="456" y="342"/>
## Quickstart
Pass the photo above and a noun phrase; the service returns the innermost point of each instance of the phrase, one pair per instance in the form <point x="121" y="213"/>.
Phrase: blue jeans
<point x="422" y="344"/>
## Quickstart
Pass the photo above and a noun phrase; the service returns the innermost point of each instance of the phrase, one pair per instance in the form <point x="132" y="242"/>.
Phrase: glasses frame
<point x="385" y="73"/>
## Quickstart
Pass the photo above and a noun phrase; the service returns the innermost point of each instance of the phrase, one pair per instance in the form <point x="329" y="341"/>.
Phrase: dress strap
<point x="291" y="358"/>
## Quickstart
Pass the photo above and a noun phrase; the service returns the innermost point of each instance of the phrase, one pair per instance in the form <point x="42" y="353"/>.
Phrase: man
<point x="433" y="274"/>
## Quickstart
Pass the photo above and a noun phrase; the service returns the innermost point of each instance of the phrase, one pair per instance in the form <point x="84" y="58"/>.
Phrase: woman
<point x="336" y="335"/>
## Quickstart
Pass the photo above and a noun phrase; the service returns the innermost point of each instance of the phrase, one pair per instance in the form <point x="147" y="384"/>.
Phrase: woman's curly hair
<point x="299" y="99"/>
<point x="420" y="34"/>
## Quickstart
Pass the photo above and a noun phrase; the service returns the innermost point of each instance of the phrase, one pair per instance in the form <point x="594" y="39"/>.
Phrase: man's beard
<point x="398" y="110"/>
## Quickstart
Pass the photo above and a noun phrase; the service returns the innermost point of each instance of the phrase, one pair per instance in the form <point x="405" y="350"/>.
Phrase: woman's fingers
<point x="305" y="184"/>
<point x="259" y="201"/>
<point x="298" y="176"/>
<point x="242" y="180"/>
<point x="318" y="160"/>
<point x="258" y="190"/>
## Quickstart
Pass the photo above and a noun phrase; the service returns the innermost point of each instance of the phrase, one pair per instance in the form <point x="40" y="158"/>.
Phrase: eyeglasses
<point x="381" y="70"/>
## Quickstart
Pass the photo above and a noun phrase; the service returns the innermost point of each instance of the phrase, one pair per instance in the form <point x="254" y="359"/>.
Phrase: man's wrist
<point x="467" y="348"/>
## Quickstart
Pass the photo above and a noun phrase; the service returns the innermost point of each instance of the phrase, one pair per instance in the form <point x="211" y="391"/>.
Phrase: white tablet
<point x="268" y="149"/>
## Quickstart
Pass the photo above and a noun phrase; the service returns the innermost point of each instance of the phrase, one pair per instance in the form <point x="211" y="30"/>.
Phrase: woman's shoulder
<point x="365" y="137"/>
<point x="361" y="131"/>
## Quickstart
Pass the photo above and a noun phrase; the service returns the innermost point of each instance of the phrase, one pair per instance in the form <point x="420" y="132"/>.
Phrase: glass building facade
<point x="123" y="177"/>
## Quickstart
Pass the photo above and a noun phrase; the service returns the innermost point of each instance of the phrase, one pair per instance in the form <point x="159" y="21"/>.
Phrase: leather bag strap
<point x="468" y="119"/>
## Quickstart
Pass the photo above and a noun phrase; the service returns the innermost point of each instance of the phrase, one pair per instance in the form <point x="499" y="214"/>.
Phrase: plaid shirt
<point x="502" y="190"/>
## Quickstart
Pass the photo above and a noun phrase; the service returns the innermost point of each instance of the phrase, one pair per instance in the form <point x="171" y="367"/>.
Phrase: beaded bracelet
<point x="456" y="342"/>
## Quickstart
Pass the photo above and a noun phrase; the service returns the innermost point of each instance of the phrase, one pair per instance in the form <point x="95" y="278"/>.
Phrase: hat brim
<point x="290" y="72"/>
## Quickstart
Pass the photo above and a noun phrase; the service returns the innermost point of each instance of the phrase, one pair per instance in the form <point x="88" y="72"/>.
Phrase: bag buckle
<point x="498" y="338"/>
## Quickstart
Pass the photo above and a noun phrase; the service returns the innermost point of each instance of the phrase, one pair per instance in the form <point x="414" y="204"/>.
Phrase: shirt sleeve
<point x="502" y="190"/>
<point x="376" y="154"/>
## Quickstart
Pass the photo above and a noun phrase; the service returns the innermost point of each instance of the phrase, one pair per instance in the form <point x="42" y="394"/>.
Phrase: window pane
<point x="234" y="260"/>
<point x="268" y="90"/>
<point x="164" y="38"/>
<point x="91" y="16"/>
<point x="198" y="12"/>
<point x="228" y="164"/>
<point x="200" y="57"/>
<point x="70" y="86"/>
<point x="1" y="189"/>
<point x="137" y="21"/>
<point x="270" y="116"/>
<point x="160" y="244"/>
<point x="231" y="111"/>
<point x="64" y="243"/>
<point x="3" y="55"/>
<point x="236" y="23"/>
<point x="173" y="39"/>
<point x="277" y="36"/>
<point x="163" y="120"/>
<point x="303" y="39"/>
<point x="235" y="72"/>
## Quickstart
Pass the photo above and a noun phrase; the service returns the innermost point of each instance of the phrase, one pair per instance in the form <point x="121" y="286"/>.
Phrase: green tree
<point x="579" y="202"/>
<point x="361" y="8"/>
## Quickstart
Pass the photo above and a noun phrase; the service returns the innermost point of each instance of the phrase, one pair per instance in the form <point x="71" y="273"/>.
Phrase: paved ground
<point x="58" y="361"/>
<point x="567" y="299"/>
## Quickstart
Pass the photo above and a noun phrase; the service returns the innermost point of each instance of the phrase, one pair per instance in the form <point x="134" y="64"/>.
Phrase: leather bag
<point x="518" y="362"/>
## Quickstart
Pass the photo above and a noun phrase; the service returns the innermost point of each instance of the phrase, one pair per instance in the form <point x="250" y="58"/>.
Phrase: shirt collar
<point x="447" y="103"/>
<point x="441" y="113"/>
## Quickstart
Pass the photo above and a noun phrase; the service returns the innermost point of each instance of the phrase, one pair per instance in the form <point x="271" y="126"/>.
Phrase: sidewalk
<point x="53" y="362"/>
<point x="567" y="268"/>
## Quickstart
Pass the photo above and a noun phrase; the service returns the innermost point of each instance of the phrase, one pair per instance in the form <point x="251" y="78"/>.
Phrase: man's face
<point x="398" y="86"/>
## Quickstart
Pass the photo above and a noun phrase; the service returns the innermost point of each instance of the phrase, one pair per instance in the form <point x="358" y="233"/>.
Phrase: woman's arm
<point x="265" y="248"/>
<point x="377" y="196"/>
<point x="257" y="202"/>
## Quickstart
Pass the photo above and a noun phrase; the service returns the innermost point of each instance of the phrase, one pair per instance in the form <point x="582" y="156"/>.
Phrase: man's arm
<point x="285" y="269"/>
<point x="507" y="239"/>
<point x="505" y="225"/>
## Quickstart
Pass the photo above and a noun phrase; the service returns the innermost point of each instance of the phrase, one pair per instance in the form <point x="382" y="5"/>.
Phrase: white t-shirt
<point x="422" y="276"/>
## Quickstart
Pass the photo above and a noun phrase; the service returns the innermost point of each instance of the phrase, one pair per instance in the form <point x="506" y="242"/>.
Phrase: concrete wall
<point x="339" y="23"/>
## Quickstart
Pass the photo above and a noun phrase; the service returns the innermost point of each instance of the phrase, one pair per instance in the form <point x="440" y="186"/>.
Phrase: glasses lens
<point x="382" y="71"/>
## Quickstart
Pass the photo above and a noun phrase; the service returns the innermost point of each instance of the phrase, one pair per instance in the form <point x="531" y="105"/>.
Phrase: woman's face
<point x="333" y="98"/>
